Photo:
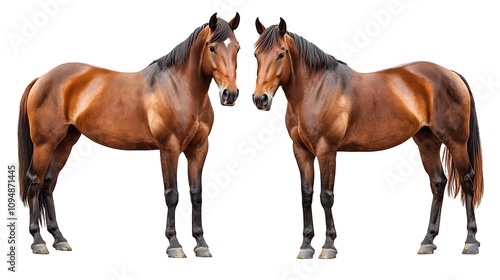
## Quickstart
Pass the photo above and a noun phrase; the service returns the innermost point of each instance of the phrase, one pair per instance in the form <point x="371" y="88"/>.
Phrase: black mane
<point x="312" y="55"/>
<point x="181" y="51"/>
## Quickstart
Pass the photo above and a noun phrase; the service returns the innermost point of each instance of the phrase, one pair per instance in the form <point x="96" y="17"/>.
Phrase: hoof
<point x="471" y="249"/>
<point x="39" y="249"/>
<point x="427" y="249"/>
<point x="175" y="253"/>
<point x="328" y="253"/>
<point x="202" y="252"/>
<point x="62" y="246"/>
<point x="306" y="254"/>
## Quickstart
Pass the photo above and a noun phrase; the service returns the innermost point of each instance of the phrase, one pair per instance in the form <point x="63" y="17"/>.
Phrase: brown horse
<point x="165" y="106"/>
<point x="334" y="108"/>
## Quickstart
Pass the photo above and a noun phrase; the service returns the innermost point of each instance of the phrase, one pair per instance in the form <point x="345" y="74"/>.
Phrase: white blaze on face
<point x="226" y="42"/>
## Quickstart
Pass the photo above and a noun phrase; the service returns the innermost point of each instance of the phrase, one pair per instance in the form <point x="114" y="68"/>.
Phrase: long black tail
<point x="25" y="145"/>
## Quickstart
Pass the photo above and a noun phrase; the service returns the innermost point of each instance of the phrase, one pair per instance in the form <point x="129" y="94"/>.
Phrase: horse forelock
<point x="267" y="39"/>
<point x="222" y="31"/>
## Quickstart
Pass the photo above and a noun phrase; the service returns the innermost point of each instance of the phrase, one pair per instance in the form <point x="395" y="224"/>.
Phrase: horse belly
<point x="370" y="144"/>
<point x="377" y="137"/>
<point x="117" y="136"/>
<point x="119" y="129"/>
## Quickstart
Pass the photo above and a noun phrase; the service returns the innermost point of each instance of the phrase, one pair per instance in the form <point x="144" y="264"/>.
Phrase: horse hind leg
<point x="35" y="178"/>
<point x="58" y="161"/>
<point x="466" y="176"/>
<point x="41" y="178"/>
<point x="429" y="147"/>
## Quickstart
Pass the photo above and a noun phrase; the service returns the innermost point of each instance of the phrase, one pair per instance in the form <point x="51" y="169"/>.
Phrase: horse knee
<point x="33" y="185"/>
<point x="49" y="178"/>
<point x="326" y="198"/>
<point x="468" y="182"/>
<point x="438" y="185"/>
<point x="171" y="197"/>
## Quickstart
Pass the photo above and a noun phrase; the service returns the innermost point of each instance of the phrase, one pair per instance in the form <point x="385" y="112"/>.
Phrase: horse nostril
<point x="225" y="94"/>
<point x="264" y="100"/>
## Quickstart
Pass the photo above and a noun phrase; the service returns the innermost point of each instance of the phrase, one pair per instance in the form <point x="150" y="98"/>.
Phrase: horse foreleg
<point x="327" y="165"/>
<point x="305" y="161"/>
<point x="196" y="155"/>
<point x="169" y="159"/>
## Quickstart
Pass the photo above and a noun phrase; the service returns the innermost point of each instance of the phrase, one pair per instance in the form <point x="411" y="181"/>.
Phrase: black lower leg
<point x="327" y="198"/>
<point x="171" y="198"/>
<point x="196" y="198"/>
<point x="329" y="251"/>
<point x="468" y="189"/>
<point x="201" y="249"/>
<point x="438" y="185"/>
<point x="34" y="190"/>
<point x="52" y="225"/>
<point x="308" y="231"/>
<point x="50" y="212"/>
<point x="306" y="249"/>
<point x="471" y="243"/>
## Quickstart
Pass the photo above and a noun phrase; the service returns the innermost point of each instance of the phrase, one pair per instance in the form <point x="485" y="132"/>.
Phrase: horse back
<point x="387" y="107"/>
<point x="107" y="106"/>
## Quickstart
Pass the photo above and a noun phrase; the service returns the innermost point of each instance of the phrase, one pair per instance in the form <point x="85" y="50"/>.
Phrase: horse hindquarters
<point x="43" y="151"/>
<point x="464" y="164"/>
<point x="456" y="126"/>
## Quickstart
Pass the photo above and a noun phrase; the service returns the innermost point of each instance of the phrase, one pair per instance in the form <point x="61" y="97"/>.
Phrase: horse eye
<point x="280" y="56"/>
<point x="212" y="49"/>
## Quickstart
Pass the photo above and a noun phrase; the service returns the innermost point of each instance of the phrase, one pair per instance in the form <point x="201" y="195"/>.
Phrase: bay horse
<point x="164" y="107"/>
<point x="333" y="108"/>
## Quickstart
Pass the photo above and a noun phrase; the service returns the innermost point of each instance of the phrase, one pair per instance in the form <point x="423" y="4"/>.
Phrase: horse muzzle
<point x="263" y="102"/>
<point x="228" y="98"/>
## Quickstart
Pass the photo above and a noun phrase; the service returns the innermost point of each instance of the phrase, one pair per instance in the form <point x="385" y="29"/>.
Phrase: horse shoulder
<point x="170" y="117"/>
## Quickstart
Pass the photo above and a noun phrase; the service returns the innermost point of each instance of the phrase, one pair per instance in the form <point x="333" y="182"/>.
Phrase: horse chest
<point x="184" y="127"/>
<point x="303" y="132"/>
<point x="317" y="133"/>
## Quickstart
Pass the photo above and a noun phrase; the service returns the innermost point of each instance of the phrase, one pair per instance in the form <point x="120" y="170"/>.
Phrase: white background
<point x="110" y="203"/>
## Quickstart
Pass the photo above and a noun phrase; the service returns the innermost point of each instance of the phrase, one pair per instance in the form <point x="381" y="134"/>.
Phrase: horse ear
<point x="235" y="21"/>
<point x="259" y="26"/>
<point x="282" y="27"/>
<point x="213" y="22"/>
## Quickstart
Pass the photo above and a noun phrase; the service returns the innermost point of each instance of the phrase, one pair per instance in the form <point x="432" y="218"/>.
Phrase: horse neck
<point x="308" y="85"/>
<point x="191" y="71"/>
<point x="187" y="79"/>
<point x="191" y="75"/>
<point x="302" y="82"/>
